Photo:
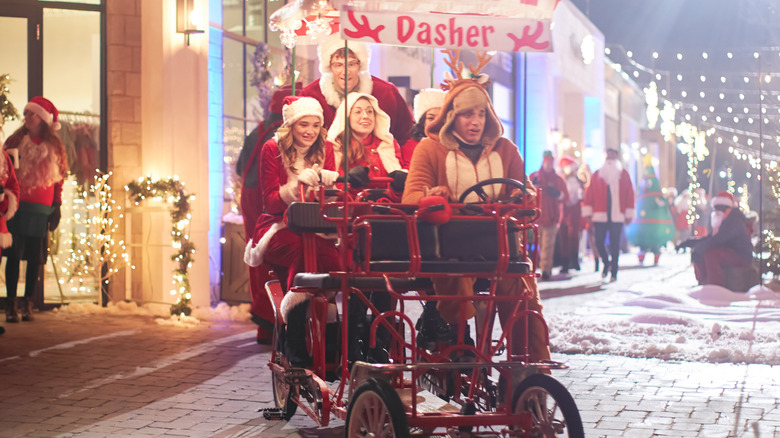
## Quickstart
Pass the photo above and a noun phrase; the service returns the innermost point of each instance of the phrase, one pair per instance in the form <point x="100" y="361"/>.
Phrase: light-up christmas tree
<point x="94" y="254"/>
<point x="7" y="110"/>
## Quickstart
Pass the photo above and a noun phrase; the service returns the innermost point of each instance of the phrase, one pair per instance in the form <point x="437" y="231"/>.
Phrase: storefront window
<point x="244" y="26"/>
<point x="71" y="79"/>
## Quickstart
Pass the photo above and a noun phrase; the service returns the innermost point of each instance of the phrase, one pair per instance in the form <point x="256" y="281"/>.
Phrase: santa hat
<point x="426" y="99"/>
<point x="44" y="109"/>
<point x="277" y="99"/>
<point x="296" y="107"/>
<point x="566" y="161"/>
<point x="334" y="43"/>
<point x="724" y="198"/>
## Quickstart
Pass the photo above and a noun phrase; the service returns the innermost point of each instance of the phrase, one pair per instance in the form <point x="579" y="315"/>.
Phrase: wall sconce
<point x="186" y="21"/>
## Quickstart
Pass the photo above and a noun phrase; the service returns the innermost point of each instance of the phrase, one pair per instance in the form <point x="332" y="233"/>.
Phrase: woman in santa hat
<point x="297" y="154"/>
<point x="427" y="104"/>
<point x="41" y="164"/>
<point x="374" y="149"/>
<point x="371" y="144"/>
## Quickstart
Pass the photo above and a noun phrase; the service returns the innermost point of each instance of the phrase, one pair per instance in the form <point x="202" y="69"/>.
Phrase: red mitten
<point x="435" y="209"/>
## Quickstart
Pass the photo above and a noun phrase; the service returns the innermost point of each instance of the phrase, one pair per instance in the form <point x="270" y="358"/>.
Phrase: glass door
<point x="57" y="53"/>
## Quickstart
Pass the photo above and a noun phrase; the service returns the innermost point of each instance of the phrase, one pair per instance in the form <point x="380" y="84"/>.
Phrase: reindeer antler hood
<point x="465" y="92"/>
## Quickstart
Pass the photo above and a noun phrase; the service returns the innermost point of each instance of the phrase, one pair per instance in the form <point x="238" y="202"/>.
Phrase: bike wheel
<point x="375" y="410"/>
<point x="283" y="397"/>
<point x="552" y="408"/>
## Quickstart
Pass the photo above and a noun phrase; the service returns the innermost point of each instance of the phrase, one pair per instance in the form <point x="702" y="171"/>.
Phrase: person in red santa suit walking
<point x="248" y="168"/>
<point x="608" y="205"/>
<point x="554" y="195"/>
<point x="41" y="167"/>
<point x="298" y="154"/>
<point x="329" y="89"/>
<point x="570" y="231"/>
<point x="728" y="246"/>
<point x="9" y="203"/>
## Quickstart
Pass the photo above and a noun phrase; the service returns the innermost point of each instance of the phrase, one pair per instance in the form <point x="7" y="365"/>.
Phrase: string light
<point x="94" y="254"/>
<point x="172" y="191"/>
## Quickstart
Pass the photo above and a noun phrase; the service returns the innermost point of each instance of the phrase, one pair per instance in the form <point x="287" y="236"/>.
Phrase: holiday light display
<point x="171" y="190"/>
<point x="89" y="231"/>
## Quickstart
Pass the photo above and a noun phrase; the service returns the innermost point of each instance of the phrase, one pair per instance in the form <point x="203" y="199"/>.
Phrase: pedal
<point x="272" y="414"/>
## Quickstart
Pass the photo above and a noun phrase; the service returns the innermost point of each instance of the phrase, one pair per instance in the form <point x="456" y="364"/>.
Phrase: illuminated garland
<point x="172" y="191"/>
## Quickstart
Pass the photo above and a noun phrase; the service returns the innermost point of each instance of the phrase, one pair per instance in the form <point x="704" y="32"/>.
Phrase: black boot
<point x="27" y="309"/>
<point x="11" y="313"/>
<point x="380" y="353"/>
<point x="357" y="330"/>
<point x="295" y="336"/>
<point x="431" y="328"/>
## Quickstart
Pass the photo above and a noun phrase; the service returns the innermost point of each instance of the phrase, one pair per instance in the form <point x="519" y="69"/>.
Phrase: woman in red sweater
<point x="41" y="165"/>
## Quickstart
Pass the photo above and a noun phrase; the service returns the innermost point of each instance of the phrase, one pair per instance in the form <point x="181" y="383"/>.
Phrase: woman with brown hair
<point x="41" y="164"/>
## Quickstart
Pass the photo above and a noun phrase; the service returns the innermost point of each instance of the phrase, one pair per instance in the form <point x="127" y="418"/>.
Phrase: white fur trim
<point x="6" y="240"/>
<point x="13" y="205"/>
<point x="334" y="96"/>
<point x="381" y="125"/>
<point x="253" y="254"/>
<point x="722" y="200"/>
<point x="290" y="300"/>
<point x="44" y="115"/>
<point x="426" y="99"/>
<point x="301" y="107"/>
<point x="289" y="192"/>
<point x="334" y="42"/>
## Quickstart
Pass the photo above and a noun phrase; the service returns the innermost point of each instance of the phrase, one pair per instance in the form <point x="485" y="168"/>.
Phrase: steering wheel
<point x="484" y="198"/>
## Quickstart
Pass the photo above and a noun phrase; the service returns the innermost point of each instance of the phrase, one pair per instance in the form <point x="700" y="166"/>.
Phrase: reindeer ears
<point x="461" y="74"/>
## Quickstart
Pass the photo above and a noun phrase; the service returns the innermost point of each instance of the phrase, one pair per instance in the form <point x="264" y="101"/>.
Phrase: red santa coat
<point x="9" y="199"/>
<point x="594" y="204"/>
<point x="275" y="173"/>
<point x="387" y="94"/>
<point x="552" y="207"/>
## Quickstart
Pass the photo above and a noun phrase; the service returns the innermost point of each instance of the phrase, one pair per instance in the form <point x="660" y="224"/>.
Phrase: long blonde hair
<point x="49" y="136"/>
<point x="286" y="146"/>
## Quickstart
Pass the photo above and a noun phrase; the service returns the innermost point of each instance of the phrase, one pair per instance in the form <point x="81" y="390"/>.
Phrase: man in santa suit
<point x="608" y="205"/>
<point x="728" y="246"/>
<point x="329" y="89"/>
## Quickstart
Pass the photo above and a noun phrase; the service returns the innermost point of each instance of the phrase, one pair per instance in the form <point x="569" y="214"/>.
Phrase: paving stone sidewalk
<point x="67" y="375"/>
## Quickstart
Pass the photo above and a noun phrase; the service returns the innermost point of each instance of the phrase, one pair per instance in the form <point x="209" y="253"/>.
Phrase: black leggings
<point x="12" y="277"/>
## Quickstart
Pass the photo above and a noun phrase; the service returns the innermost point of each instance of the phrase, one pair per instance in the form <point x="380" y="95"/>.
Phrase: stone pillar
<point x="123" y="39"/>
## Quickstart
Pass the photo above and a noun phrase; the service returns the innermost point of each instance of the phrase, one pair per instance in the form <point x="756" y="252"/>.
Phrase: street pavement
<point x="98" y="375"/>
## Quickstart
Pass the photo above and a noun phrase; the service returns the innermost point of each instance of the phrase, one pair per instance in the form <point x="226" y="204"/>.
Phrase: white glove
<point x="309" y="177"/>
<point x="328" y="177"/>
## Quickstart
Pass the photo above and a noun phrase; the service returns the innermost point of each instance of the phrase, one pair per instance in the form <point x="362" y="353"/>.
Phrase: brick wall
<point x="123" y="35"/>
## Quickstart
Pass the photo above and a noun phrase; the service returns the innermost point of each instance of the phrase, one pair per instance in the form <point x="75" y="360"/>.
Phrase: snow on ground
<point x="161" y="312"/>
<point x="660" y="312"/>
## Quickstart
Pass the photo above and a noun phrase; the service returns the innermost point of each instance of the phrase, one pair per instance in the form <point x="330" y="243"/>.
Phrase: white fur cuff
<point x="253" y="254"/>
<point x="289" y="192"/>
<point x="290" y="300"/>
